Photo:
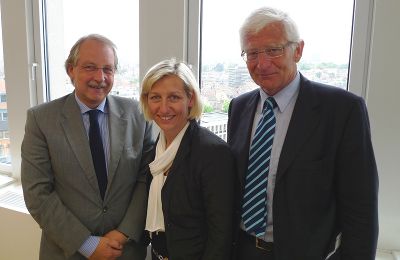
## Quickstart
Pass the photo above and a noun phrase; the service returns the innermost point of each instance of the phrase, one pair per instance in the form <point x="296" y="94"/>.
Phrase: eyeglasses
<point x="92" y="68"/>
<point x="270" y="52"/>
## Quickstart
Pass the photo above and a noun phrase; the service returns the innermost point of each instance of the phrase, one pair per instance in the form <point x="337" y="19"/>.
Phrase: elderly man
<point x="307" y="172"/>
<point x="81" y="158"/>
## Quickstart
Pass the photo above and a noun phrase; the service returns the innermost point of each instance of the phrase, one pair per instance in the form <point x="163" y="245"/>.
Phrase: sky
<point x="325" y="27"/>
<point x="118" y="20"/>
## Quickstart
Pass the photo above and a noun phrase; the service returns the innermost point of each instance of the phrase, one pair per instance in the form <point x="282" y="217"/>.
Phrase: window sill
<point x="387" y="255"/>
<point x="12" y="198"/>
<point x="5" y="180"/>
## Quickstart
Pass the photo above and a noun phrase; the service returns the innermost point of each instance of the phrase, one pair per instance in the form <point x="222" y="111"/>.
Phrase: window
<point x="3" y="96"/>
<point x="72" y="19"/>
<point x="3" y="115"/>
<point x="31" y="79"/>
<point x="5" y="157"/>
<point x="224" y="74"/>
<point x="22" y="40"/>
<point x="3" y="135"/>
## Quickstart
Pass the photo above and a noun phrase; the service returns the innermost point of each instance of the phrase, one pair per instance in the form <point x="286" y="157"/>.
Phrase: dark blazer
<point x="326" y="181"/>
<point x="197" y="198"/>
<point x="60" y="183"/>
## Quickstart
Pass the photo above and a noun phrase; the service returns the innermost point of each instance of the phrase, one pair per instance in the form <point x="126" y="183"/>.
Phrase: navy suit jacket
<point x="198" y="198"/>
<point x="327" y="182"/>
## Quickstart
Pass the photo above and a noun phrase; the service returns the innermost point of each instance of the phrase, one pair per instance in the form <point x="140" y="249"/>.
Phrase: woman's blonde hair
<point x="167" y="68"/>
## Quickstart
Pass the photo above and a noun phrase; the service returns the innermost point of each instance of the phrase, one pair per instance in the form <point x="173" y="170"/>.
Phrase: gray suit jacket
<point x="60" y="184"/>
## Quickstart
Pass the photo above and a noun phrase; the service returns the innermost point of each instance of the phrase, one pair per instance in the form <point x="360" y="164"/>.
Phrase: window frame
<point x="17" y="28"/>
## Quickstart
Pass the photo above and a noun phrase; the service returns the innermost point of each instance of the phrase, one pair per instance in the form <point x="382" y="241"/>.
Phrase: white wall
<point x="162" y="31"/>
<point x="20" y="236"/>
<point x="383" y="101"/>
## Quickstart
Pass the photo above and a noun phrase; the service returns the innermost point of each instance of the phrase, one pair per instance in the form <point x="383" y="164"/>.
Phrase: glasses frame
<point x="267" y="51"/>
<point x="90" y="68"/>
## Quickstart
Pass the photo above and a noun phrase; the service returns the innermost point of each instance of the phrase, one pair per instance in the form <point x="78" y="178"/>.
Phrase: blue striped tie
<point x="254" y="208"/>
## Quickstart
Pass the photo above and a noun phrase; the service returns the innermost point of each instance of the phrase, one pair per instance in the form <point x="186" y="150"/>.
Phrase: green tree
<point x="225" y="106"/>
<point x="207" y="108"/>
<point x="305" y="66"/>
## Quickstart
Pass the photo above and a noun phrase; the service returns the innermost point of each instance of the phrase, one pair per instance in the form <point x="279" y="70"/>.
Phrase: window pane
<point x="5" y="156"/>
<point x="72" y="19"/>
<point x="224" y="74"/>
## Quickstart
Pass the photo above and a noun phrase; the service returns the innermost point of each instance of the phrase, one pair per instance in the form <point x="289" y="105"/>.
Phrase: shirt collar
<point x="84" y="108"/>
<point x="284" y="96"/>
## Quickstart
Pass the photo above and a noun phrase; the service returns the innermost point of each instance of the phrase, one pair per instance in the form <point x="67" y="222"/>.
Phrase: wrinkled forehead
<point x="270" y="35"/>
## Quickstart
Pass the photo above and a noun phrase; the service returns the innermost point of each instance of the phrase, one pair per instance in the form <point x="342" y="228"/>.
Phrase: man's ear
<point x="70" y="72"/>
<point x="298" y="52"/>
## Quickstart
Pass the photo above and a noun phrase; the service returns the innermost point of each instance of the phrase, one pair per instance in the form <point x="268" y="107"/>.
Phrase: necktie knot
<point x="93" y="115"/>
<point x="269" y="103"/>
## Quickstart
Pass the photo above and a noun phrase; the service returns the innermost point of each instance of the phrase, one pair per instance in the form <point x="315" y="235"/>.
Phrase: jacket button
<point x="105" y="209"/>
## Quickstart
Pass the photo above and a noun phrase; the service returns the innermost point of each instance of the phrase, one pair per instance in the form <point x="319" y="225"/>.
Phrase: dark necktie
<point x="96" y="147"/>
<point x="254" y="209"/>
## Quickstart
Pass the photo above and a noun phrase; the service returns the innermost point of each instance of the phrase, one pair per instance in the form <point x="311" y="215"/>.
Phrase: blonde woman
<point x="190" y="207"/>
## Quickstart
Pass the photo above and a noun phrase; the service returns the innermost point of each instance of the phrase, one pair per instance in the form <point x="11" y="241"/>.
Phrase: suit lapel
<point x="304" y="119"/>
<point x="75" y="132"/>
<point x="181" y="154"/>
<point x="246" y="126"/>
<point x="117" y="126"/>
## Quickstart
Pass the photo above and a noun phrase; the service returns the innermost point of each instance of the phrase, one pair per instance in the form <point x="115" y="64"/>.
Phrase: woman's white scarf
<point x="160" y="165"/>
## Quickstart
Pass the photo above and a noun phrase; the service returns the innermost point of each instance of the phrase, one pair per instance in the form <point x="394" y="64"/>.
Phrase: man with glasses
<point x="308" y="180"/>
<point x="81" y="163"/>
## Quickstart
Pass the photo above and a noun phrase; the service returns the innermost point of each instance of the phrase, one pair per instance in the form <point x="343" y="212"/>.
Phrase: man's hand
<point x="108" y="249"/>
<point x="118" y="236"/>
